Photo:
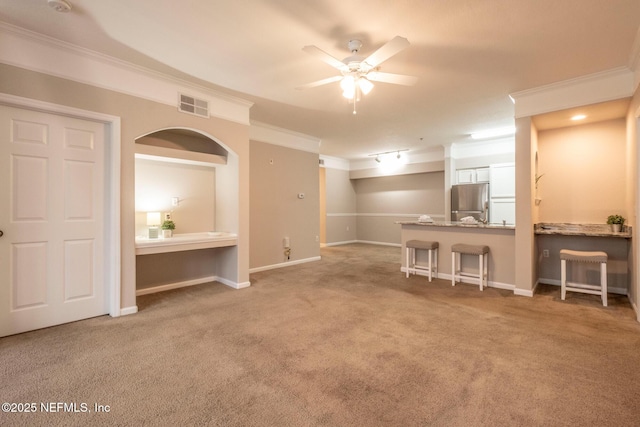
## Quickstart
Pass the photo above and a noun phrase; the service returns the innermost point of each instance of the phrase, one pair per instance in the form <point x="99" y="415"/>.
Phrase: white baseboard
<point x="231" y="284"/>
<point x="445" y="276"/>
<point x="175" y="285"/>
<point x="555" y="282"/>
<point x="397" y="245"/>
<point x="128" y="310"/>
<point x="523" y="292"/>
<point x="345" y="242"/>
<point x="368" y="242"/>
<point x="284" y="264"/>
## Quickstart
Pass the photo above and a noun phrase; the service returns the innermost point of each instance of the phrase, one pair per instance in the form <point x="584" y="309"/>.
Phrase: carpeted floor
<point x="339" y="342"/>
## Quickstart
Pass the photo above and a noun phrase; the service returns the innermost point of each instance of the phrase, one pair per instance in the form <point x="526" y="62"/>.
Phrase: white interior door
<point x="52" y="203"/>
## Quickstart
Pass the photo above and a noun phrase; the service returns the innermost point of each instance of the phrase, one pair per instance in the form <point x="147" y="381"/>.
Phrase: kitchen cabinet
<point x="483" y="175"/>
<point x="472" y="176"/>
<point x="502" y="203"/>
<point x="503" y="180"/>
<point x="502" y="209"/>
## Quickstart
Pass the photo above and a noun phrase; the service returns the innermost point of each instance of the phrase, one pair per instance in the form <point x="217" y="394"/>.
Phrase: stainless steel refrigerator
<point x="470" y="200"/>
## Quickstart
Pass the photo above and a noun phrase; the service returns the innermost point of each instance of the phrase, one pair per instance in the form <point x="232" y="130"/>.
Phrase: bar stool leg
<point x="430" y="264"/>
<point x="485" y="274"/>
<point x="436" y="264"/>
<point x="453" y="268"/>
<point x="481" y="271"/>
<point x="603" y="282"/>
<point x="407" y="266"/>
<point x="563" y="279"/>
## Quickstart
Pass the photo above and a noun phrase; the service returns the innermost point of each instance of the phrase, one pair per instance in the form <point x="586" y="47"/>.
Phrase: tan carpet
<point x="343" y="341"/>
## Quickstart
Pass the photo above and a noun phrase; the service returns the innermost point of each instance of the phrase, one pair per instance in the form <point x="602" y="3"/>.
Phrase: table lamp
<point x="153" y="221"/>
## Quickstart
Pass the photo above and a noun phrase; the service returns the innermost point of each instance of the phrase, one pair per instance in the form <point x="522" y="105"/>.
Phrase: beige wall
<point x="584" y="172"/>
<point x="278" y="175"/>
<point x="340" y="206"/>
<point x="322" y="176"/>
<point x="382" y="201"/>
<point x="633" y="195"/>
<point x="140" y="117"/>
<point x="525" y="262"/>
<point x="157" y="182"/>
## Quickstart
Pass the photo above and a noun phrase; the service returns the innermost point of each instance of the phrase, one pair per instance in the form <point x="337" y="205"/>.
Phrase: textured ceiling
<point x="468" y="55"/>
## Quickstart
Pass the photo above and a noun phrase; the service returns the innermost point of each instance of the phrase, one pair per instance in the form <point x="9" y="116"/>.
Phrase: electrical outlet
<point x="545" y="253"/>
<point x="317" y="238"/>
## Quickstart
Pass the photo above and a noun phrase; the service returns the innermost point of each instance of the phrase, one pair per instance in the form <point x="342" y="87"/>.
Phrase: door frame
<point x="112" y="258"/>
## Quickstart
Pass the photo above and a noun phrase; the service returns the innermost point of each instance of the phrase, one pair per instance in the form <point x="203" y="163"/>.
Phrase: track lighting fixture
<point x="388" y="157"/>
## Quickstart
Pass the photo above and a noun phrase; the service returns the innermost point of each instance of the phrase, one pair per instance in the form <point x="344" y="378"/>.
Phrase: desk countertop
<point x="591" y="230"/>
<point x="459" y="225"/>
<point x="185" y="242"/>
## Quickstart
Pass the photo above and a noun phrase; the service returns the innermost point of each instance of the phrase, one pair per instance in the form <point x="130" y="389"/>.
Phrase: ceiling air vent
<point x="191" y="105"/>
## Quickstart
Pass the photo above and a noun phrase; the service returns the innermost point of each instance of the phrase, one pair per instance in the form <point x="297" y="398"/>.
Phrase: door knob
<point x="1" y="233"/>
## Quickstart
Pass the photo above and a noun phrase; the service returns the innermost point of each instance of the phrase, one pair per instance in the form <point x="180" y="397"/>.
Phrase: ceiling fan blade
<point x="398" y="79"/>
<point x="320" y="82"/>
<point x="392" y="47"/>
<point x="324" y="56"/>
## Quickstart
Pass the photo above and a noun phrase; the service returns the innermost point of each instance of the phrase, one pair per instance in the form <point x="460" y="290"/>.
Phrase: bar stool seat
<point x="596" y="257"/>
<point x="432" y="267"/>
<point x="482" y="251"/>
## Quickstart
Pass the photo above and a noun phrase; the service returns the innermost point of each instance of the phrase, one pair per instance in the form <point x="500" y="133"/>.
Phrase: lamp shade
<point x="365" y="85"/>
<point x="348" y="85"/>
<point x="153" y="218"/>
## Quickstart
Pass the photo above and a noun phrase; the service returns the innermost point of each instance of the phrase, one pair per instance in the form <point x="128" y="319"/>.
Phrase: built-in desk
<point x="182" y="260"/>
<point x="500" y="239"/>
<point x="552" y="237"/>
<point x="185" y="242"/>
<point x="588" y="230"/>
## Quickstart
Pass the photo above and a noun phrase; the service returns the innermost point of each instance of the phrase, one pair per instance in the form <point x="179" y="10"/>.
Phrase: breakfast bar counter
<point x="500" y="239"/>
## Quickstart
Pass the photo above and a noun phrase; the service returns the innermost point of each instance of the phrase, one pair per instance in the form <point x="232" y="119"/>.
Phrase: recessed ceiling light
<point x="578" y="117"/>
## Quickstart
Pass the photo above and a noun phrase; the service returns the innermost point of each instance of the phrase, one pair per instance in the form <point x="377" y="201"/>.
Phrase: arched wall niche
<point x="201" y="173"/>
<point x="184" y="139"/>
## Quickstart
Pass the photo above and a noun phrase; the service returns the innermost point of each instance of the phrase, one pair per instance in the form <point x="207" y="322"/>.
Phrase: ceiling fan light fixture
<point x="348" y="86"/>
<point x="357" y="72"/>
<point x="365" y="85"/>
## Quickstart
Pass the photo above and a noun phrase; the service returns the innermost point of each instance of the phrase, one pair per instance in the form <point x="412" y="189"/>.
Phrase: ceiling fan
<point x="357" y="72"/>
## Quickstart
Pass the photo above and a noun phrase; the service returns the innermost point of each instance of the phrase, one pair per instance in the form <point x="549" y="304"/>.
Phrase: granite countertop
<point x="459" y="224"/>
<point x="592" y="230"/>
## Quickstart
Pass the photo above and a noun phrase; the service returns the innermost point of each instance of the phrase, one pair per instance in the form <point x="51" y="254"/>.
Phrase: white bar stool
<point x="412" y="267"/>
<point x="483" y="263"/>
<point x="584" y="256"/>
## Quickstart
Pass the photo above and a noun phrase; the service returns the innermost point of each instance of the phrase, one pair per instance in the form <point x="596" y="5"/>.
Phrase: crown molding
<point x="335" y="162"/>
<point x="270" y="134"/>
<point x="591" y="89"/>
<point x="36" y="52"/>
